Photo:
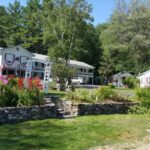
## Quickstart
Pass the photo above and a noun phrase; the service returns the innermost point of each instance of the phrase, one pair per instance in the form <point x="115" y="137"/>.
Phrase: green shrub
<point x="82" y="95"/>
<point x="119" y="98"/>
<point x="139" y="109"/>
<point x="29" y="97"/>
<point x="13" y="83"/>
<point x="100" y="94"/>
<point x="11" y="95"/>
<point x="7" y="96"/>
<point x="52" y="85"/>
<point x="143" y="95"/>
<point x="110" y="85"/>
<point x="104" y="93"/>
<point x="131" y="82"/>
<point x="24" y="97"/>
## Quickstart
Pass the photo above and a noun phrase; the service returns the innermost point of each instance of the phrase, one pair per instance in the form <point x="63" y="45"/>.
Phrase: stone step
<point x="69" y="116"/>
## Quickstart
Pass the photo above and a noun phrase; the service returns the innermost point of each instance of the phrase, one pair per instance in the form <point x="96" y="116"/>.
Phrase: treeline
<point x="64" y="29"/>
<point x="126" y="38"/>
<point x="61" y="28"/>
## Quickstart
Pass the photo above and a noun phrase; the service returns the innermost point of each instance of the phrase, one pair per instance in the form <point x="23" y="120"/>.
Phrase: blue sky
<point x="102" y="9"/>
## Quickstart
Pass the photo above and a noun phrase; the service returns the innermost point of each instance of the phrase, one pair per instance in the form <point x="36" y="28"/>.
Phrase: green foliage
<point x="110" y="85"/>
<point x="126" y="39"/>
<point x="3" y="26"/>
<point x="98" y="95"/>
<point x="33" y="23"/>
<point x="12" y="83"/>
<point x="28" y="97"/>
<point x="7" y="96"/>
<point x="139" y="109"/>
<point x="52" y="85"/>
<point x="104" y="93"/>
<point x="143" y="95"/>
<point x="15" y="25"/>
<point x="11" y="95"/>
<point x="61" y="29"/>
<point x="82" y="95"/>
<point x="65" y="27"/>
<point x="131" y="82"/>
<point x="119" y="98"/>
<point x="64" y="73"/>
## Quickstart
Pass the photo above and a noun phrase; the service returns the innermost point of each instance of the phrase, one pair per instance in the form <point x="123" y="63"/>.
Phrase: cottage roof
<point x="39" y="56"/>
<point x="146" y="72"/>
<point x="17" y="47"/>
<point x="122" y="74"/>
<point x="71" y="62"/>
<point x="80" y="64"/>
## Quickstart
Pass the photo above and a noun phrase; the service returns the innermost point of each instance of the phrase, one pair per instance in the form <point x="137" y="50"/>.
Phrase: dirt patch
<point x="143" y="144"/>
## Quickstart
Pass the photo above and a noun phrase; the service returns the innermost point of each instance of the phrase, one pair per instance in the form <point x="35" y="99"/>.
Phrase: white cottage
<point x="13" y="61"/>
<point x="84" y="70"/>
<point x="118" y="78"/>
<point x="144" y="79"/>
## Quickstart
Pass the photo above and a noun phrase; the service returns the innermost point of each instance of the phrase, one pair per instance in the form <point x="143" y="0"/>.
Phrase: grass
<point x="123" y="91"/>
<point x="57" y="93"/>
<point x="73" y="134"/>
<point x="128" y="93"/>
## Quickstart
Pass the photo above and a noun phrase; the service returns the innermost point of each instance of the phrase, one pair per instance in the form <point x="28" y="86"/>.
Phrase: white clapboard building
<point x="144" y="79"/>
<point x="13" y="61"/>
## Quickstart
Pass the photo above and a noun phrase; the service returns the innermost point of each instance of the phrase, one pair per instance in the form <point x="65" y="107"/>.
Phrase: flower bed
<point x="20" y="92"/>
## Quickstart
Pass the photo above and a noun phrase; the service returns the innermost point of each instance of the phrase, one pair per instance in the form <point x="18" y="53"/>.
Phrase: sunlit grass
<point x="73" y="134"/>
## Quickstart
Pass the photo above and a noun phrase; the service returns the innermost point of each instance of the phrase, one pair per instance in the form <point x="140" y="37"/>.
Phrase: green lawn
<point x="129" y="93"/>
<point x="73" y="134"/>
<point x="57" y="93"/>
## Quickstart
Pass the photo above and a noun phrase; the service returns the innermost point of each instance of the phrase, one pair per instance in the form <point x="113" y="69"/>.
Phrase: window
<point x="90" y="70"/>
<point x="4" y="72"/>
<point x="148" y="80"/>
<point x="11" y="72"/>
<point x="81" y="70"/>
<point x="42" y="64"/>
<point x="141" y="80"/>
<point x="34" y="74"/>
<point x="36" y="64"/>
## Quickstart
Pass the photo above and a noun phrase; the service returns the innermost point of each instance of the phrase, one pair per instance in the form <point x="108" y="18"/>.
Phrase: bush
<point x="119" y="98"/>
<point x="12" y="95"/>
<point x="131" y="82"/>
<point x="82" y="95"/>
<point x="139" y="110"/>
<point x="53" y="85"/>
<point x="104" y="93"/>
<point x="110" y="85"/>
<point x="143" y="95"/>
<point x="12" y="83"/>
<point x="7" y="96"/>
<point x="101" y="94"/>
<point x="28" y="97"/>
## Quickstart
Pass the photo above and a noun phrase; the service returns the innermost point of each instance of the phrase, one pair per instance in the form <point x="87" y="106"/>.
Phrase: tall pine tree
<point x="16" y="27"/>
<point x="33" y="23"/>
<point x="3" y="26"/>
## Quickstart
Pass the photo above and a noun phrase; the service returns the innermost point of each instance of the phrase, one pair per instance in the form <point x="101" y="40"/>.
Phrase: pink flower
<point x="5" y="82"/>
<point x="1" y="77"/>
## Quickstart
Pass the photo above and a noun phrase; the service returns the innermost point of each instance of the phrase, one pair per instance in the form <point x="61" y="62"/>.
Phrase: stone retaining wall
<point x="104" y="108"/>
<point x="17" y="114"/>
<point x="58" y="108"/>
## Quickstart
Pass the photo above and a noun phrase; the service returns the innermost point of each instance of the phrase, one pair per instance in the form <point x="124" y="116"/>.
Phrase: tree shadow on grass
<point x="32" y="135"/>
